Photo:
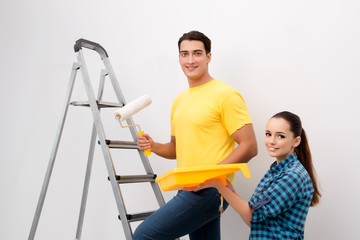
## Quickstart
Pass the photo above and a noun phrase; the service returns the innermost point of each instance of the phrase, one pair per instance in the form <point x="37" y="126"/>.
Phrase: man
<point x="206" y="121"/>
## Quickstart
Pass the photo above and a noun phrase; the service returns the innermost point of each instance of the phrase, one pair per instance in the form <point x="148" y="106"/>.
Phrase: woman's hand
<point x="230" y="186"/>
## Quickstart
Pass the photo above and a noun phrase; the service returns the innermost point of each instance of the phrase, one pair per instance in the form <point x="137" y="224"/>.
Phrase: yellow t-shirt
<point x="203" y="119"/>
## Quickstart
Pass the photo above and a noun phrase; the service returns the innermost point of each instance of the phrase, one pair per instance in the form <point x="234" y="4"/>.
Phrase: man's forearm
<point x="247" y="146"/>
<point x="165" y="150"/>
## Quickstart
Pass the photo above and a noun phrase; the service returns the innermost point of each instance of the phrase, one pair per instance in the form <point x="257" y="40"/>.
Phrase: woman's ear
<point x="297" y="141"/>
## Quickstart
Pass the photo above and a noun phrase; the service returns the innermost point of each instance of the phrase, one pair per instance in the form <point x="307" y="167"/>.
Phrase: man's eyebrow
<point x="197" y="50"/>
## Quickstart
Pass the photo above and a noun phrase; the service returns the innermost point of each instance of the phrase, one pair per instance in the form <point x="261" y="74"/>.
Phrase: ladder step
<point x="135" y="178"/>
<point x="137" y="216"/>
<point x="121" y="144"/>
<point x="100" y="104"/>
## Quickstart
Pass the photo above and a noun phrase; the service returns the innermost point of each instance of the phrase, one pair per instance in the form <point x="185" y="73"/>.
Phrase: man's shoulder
<point x="222" y="91"/>
<point x="223" y="86"/>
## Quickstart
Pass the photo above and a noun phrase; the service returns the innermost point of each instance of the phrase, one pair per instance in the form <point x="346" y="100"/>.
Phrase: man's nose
<point x="191" y="58"/>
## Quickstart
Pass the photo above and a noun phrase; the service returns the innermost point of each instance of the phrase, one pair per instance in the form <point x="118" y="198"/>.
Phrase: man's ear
<point x="208" y="56"/>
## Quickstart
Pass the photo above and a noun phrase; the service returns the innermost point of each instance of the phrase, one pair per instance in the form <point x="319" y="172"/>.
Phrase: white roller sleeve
<point x="133" y="107"/>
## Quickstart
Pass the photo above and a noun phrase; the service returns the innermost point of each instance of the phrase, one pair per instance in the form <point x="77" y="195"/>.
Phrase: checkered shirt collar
<point x="276" y="168"/>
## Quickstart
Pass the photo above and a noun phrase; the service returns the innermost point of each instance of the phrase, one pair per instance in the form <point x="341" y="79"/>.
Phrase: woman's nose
<point x="272" y="140"/>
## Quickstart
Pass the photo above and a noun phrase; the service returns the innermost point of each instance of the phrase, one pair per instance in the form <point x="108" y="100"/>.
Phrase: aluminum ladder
<point x="95" y="105"/>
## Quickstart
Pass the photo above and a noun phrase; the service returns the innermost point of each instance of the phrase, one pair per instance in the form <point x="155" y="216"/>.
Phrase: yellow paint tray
<point x="179" y="178"/>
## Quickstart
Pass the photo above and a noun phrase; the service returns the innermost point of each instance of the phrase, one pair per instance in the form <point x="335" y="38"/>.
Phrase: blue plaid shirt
<point x="281" y="201"/>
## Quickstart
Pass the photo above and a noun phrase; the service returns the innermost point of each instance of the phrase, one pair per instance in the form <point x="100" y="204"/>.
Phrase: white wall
<point x="301" y="56"/>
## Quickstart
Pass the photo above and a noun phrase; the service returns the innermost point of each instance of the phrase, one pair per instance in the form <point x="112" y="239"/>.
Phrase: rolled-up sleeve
<point x="281" y="195"/>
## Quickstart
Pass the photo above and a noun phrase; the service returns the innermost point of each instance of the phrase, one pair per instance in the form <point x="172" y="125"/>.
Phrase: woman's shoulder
<point x="297" y="174"/>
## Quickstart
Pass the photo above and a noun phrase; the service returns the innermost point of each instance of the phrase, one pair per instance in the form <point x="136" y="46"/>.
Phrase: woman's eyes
<point x="279" y="136"/>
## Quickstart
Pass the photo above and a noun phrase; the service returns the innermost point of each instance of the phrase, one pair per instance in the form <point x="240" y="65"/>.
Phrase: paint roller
<point x="130" y="109"/>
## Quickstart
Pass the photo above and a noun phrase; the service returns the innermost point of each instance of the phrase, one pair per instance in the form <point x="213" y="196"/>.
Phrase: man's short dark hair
<point x="199" y="36"/>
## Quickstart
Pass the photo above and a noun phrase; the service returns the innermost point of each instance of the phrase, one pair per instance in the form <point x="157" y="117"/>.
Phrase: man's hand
<point x="144" y="142"/>
<point x="215" y="183"/>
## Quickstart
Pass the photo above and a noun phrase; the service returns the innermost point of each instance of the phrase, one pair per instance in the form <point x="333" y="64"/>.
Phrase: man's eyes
<point x="185" y="54"/>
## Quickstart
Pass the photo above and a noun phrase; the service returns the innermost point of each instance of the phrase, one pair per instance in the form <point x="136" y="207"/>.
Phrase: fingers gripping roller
<point x="130" y="109"/>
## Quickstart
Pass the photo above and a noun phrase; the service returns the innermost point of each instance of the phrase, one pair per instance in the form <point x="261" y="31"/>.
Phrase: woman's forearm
<point x="236" y="202"/>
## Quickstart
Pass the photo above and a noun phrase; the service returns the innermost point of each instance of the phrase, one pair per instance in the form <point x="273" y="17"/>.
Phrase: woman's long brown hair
<point x="303" y="150"/>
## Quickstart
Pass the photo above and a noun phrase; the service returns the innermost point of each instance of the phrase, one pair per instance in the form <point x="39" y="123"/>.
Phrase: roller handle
<point x="146" y="151"/>
<point x="90" y="45"/>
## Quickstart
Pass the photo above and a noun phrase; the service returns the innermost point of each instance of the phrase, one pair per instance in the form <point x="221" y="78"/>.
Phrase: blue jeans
<point x="193" y="213"/>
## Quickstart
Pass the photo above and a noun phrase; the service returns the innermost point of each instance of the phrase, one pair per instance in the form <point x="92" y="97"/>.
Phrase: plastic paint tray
<point x="179" y="178"/>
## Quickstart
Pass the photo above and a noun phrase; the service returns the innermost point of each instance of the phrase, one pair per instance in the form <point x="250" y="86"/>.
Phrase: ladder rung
<point x="100" y="104"/>
<point x="137" y="216"/>
<point x="135" y="178"/>
<point x="121" y="144"/>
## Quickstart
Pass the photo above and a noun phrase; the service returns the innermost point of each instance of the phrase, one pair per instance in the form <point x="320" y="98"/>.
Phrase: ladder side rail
<point x="53" y="153"/>
<point x="89" y="164"/>
<point x="105" y="149"/>
<point x="129" y="120"/>
<point x="144" y="159"/>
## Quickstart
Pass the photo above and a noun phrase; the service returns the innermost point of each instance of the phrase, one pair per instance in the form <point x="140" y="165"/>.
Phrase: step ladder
<point x="95" y="105"/>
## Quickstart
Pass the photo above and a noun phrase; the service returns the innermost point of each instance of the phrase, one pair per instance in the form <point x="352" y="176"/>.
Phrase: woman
<point x="279" y="206"/>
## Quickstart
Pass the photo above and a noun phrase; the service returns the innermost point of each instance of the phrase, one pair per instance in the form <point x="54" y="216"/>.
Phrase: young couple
<point x="207" y="119"/>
